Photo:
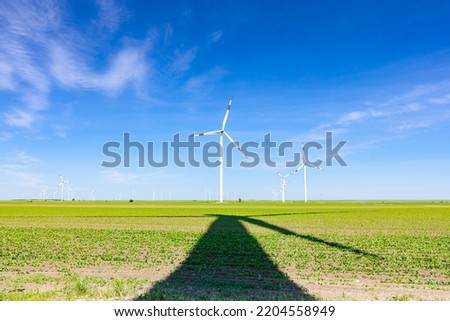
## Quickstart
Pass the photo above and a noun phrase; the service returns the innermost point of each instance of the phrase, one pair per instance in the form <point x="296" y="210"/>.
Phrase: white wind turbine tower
<point x="274" y="195"/>
<point x="305" y="164"/>
<point x="61" y="185"/>
<point x="44" y="191"/>
<point x="93" y="195"/>
<point x="283" y="184"/>
<point x="222" y="132"/>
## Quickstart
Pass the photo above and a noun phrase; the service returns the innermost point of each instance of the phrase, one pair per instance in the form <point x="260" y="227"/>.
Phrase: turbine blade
<point x="234" y="143"/>
<point x="227" y="112"/>
<point x="213" y="132"/>
<point x="313" y="166"/>
<point x="303" y="153"/>
<point x="299" y="168"/>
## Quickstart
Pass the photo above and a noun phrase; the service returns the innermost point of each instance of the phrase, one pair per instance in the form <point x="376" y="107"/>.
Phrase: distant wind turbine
<point x="43" y="192"/>
<point x="305" y="164"/>
<point x="274" y="195"/>
<point x="222" y="132"/>
<point x="93" y="195"/>
<point x="283" y="184"/>
<point x="61" y="185"/>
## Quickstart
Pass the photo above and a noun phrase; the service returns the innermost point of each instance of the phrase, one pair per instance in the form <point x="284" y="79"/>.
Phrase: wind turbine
<point x="305" y="164"/>
<point x="93" y="195"/>
<point x="274" y="195"/>
<point x="43" y="191"/>
<point x="222" y="132"/>
<point x="61" y="185"/>
<point x="283" y="184"/>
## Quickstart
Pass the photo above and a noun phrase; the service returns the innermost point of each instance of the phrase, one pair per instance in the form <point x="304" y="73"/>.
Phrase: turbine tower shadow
<point x="227" y="263"/>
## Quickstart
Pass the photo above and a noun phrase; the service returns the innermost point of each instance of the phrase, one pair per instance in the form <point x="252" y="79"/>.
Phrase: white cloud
<point x="18" y="175"/>
<point x="414" y="124"/>
<point x="201" y="82"/>
<point x="413" y="107"/>
<point x="39" y="46"/>
<point x="355" y="116"/>
<point x="26" y="25"/>
<point x="20" y="118"/>
<point x="351" y="117"/>
<point x="119" y="177"/>
<point x="35" y="101"/>
<point x="127" y="66"/>
<point x="18" y="170"/>
<point x="442" y="100"/>
<point x="400" y="116"/>
<point x="110" y="15"/>
<point x="25" y="158"/>
<point x="6" y="75"/>
<point x="182" y="61"/>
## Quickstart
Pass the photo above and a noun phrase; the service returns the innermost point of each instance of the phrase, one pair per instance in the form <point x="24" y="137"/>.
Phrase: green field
<point x="231" y="251"/>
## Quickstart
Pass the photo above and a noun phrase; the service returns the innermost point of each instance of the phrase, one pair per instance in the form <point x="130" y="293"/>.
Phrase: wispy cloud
<point x="20" y="118"/>
<point x="5" y="136"/>
<point x="359" y="115"/>
<point x="6" y="75"/>
<point x="41" y="48"/>
<point x="413" y="102"/>
<point x="18" y="175"/>
<point x="110" y="15"/>
<point x="127" y="66"/>
<point x="25" y="26"/>
<point x="18" y="168"/>
<point x="168" y="33"/>
<point x="396" y="117"/>
<point x="441" y="100"/>
<point x="215" y="36"/>
<point x="115" y="176"/>
<point x="414" y="124"/>
<point x="24" y="158"/>
<point x="183" y="60"/>
<point x="204" y="81"/>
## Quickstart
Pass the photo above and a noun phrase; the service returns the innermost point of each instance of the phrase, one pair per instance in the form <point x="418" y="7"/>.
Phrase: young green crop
<point x="187" y="250"/>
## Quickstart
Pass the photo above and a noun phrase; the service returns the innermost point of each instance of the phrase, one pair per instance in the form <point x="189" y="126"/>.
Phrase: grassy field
<point x="231" y="251"/>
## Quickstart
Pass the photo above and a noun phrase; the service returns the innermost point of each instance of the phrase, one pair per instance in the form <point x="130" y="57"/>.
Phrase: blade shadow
<point x="308" y="237"/>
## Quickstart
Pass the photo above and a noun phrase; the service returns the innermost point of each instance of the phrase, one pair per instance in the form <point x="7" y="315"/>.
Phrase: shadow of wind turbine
<point x="227" y="263"/>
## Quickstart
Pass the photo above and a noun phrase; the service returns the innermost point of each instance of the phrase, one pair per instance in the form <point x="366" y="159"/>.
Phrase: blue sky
<point x="74" y="75"/>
